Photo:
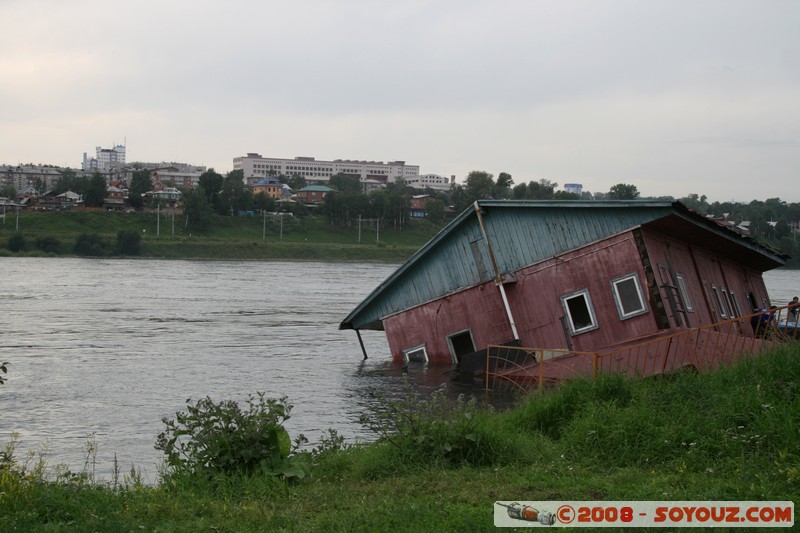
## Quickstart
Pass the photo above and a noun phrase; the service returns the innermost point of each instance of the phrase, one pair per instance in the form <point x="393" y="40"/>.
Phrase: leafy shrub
<point x="91" y="244"/>
<point x="222" y="438"/>
<point x="129" y="242"/>
<point x="17" y="243"/>
<point x="434" y="429"/>
<point x="48" y="244"/>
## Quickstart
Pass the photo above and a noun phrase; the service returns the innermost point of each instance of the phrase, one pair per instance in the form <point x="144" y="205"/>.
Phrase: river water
<point x="110" y="347"/>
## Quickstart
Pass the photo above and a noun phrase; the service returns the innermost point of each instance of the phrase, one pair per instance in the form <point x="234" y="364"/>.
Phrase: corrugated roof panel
<point x="522" y="236"/>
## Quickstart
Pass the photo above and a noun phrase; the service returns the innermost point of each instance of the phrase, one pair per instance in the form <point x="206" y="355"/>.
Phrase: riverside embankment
<point x="248" y="238"/>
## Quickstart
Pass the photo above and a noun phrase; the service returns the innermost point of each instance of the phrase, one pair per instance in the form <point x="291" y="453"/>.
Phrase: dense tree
<point x="48" y="244"/>
<point x="542" y="189"/>
<point x="389" y="205"/>
<point x="262" y="202"/>
<point x="345" y="183"/>
<point x="17" y="243"/>
<point x="234" y="197"/>
<point x="459" y="199"/>
<point x="502" y="187"/>
<point x="141" y="183"/>
<point x="782" y="229"/>
<point x="211" y="183"/>
<point x="237" y="174"/>
<point x="623" y="191"/>
<point x="479" y="185"/>
<point x="8" y="191"/>
<point x="564" y="195"/>
<point x="296" y="182"/>
<point x="535" y="190"/>
<point x="343" y="209"/>
<point x="69" y="181"/>
<point x="65" y="181"/>
<point x="435" y="210"/>
<point x="92" y="245"/>
<point x="696" y="202"/>
<point x="128" y="242"/>
<point x="197" y="210"/>
<point x="95" y="191"/>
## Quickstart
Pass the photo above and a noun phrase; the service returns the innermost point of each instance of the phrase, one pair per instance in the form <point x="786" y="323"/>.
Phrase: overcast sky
<point x="673" y="96"/>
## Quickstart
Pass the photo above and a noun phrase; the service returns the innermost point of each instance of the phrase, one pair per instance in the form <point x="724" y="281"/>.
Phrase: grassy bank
<point x="729" y="435"/>
<point x="294" y="238"/>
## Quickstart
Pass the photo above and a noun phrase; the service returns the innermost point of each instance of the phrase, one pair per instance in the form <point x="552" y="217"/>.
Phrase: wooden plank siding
<point x="536" y="296"/>
<point x="701" y="272"/>
<point x="478" y="309"/>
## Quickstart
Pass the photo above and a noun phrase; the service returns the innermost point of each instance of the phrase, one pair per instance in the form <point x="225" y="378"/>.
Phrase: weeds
<point x="222" y="438"/>
<point x="439" y="465"/>
<point x="430" y="430"/>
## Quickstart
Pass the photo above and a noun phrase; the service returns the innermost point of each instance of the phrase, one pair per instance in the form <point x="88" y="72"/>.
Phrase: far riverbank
<point x="286" y="238"/>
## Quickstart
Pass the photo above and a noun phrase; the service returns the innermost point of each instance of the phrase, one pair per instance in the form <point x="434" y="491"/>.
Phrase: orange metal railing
<point x="701" y="348"/>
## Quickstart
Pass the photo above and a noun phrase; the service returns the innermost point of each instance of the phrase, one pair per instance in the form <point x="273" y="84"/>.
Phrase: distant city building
<point x="178" y="167"/>
<point x="188" y="179"/>
<point x="256" y="167"/>
<point x="106" y="160"/>
<point x="181" y="174"/>
<point x="30" y="177"/>
<point x="575" y="188"/>
<point x="431" y="181"/>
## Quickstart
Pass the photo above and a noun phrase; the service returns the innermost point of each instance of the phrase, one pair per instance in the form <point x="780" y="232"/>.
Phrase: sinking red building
<point x="575" y="275"/>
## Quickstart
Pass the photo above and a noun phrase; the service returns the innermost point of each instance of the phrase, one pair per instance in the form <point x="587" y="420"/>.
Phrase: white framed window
<point x="736" y="307"/>
<point x="727" y="300"/>
<point x="628" y="296"/>
<point x="718" y="299"/>
<point x="416" y="353"/>
<point x="579" y="311"/>
<point x="687" y="301"/>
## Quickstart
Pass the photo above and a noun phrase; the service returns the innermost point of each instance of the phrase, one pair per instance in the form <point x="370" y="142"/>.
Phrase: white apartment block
<point x="431" y="181"/>
<point x="107" y="159"/>
<point x="255" y="167"/>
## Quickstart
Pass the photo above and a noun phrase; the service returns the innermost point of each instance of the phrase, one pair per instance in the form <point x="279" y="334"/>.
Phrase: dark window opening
<point x="578" y="308"/>
<point x="462" y="344"/>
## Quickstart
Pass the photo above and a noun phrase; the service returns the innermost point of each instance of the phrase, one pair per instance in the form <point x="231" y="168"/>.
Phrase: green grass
<point x="300" y="238"/>
<point x="729" y="435"/>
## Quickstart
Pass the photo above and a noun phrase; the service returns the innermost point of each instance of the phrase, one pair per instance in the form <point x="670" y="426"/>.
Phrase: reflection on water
<point x="109" y="347"/>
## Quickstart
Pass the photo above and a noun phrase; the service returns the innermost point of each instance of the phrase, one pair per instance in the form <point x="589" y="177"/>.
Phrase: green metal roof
<point x="526" y="232"/>
<point x="317" y="188"/>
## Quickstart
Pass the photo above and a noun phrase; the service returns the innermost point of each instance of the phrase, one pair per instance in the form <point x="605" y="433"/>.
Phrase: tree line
<point x="216" y="195"/>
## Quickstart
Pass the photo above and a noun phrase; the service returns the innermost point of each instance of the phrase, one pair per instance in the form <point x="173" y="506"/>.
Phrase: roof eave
<point x="347" y="323"/>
